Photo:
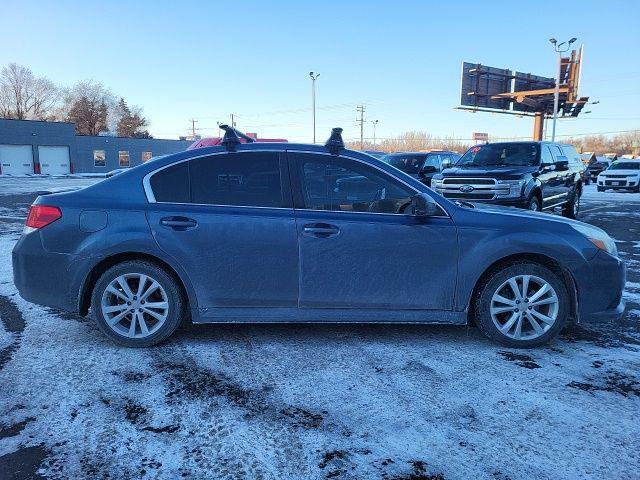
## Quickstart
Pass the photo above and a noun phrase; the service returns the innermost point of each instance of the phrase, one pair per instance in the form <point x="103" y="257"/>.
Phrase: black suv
<point x="532" y="175"/>
<point x="422" y="165"/>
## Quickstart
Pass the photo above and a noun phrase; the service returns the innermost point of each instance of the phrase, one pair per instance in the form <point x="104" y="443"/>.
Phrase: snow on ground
<point x="316" y="401"/>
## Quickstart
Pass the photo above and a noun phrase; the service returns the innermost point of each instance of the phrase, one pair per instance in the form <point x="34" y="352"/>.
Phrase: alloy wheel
<point x="134" y="305"/>
<point x="524" y="307"/>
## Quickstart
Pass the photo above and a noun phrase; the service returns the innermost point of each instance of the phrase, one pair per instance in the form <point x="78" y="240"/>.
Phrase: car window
<point x="572" y="155"/>
<point x="350" y="187"/>
<point x="518" y="154"/>
<point x="545" y="153"/>
<point x="407" y="162"/>
<point x="171" y="184"/>
<point x="557" y="152"/>
<point x="624" y="166"/>
<point x="242" y="179"/>
<point x="433" y="160"/>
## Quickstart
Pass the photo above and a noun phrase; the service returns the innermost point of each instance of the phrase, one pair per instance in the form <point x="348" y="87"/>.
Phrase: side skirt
<point x="326" y="315"/>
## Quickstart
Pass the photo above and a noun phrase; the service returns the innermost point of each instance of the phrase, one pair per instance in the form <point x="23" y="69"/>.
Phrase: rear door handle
<point x="321" y="230"/>
<point x="179" y="223"/>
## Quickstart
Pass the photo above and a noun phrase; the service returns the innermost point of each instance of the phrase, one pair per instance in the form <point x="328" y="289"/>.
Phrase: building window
<point x="146" y="156"/>
<point x="123" y="159"/>
<point x="99" y="158"/>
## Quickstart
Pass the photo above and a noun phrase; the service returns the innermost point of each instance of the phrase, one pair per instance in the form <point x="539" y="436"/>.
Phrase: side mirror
<point x="561" y="165"/>
<point x="423" y="205"/>
<point x="427" y="169"/>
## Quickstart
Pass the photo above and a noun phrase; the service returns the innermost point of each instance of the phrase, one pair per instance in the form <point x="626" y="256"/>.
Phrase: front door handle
<point x="321" y="230"/>
<point x="179" y="223"/>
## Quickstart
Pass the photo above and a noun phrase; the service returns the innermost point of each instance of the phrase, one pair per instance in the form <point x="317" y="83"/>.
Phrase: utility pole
<point x="193" y="127"/>
<point x="556" y="95"/>
<point x="360" y="110"/>
<point x="233" y="121"/>
<point x="374" y="122"/>
<point x="313" y="101"/>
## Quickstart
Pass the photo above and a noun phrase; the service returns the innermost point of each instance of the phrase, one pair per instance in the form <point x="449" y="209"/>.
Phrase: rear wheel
<point x="572" y="207"/>
<point x="522" y="305"/>
<point x="137" y="304"/>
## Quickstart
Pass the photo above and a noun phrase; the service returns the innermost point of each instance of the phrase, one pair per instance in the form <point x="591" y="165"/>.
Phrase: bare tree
<point x="24" y="96"/>
<point x="88" y="104"/>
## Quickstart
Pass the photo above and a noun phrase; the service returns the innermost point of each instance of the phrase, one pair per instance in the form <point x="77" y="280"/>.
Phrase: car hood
<point x="620" y="172"/>
<point x="493" y="171"/>
<point x="517" y="213"/>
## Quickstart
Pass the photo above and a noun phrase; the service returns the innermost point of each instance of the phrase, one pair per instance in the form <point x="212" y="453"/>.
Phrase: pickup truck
<point x="533" y="175"/>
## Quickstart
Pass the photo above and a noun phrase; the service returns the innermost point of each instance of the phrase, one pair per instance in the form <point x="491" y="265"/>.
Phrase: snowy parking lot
<point x="316" y="401"/>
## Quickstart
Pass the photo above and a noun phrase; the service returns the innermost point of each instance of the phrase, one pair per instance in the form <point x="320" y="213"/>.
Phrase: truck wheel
<point x="137" y="304"/>
<point x="601" y="189"/>
<point x="522" y="305"/>
<point x="534" y="204"/>
<point x="572" y="207"/>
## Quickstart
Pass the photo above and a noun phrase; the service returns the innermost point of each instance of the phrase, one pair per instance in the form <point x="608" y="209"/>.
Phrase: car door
<point x="359" y="247"/>
<point x="565" y="177"/>
<point x="228" y="220"/>
<point x="550" y="179"/>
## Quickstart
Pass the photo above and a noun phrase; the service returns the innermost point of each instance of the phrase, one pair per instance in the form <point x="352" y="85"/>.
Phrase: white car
<point x="621" y="175"/>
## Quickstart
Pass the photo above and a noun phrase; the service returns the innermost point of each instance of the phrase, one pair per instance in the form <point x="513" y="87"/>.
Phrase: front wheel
<point x="137" y="304"/>
<point x="522" y="305"/>
<point x="534" y="204"/>
<point x="601" y="189"/>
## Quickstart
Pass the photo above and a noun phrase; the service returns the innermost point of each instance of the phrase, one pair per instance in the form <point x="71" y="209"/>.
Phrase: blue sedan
<point x="280" y="232"/>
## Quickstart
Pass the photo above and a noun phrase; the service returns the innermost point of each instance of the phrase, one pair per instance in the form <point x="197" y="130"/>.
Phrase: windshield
<point x="625" y="166"/>
<point x="408" y="163"/>
<point x="519" y="154"/>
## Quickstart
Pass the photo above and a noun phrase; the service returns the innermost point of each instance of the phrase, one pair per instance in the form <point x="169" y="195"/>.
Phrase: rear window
<point x="172" y="184"/>
<point x="241" y="179"/>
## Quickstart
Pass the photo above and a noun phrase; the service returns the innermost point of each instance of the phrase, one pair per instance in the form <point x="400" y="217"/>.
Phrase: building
<point x="53" y="148"/>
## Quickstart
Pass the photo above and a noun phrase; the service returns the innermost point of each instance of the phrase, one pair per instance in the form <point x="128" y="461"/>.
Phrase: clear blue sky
<point x="402" y="59"/>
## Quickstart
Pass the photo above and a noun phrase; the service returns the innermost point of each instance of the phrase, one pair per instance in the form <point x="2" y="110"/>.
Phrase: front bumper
<point x="600" y="283"/>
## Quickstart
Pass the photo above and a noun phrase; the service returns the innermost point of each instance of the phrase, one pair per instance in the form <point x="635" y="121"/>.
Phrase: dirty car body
<point x="264" y="234"/>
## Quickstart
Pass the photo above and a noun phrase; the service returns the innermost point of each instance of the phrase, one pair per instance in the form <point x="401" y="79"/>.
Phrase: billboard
<point x="480" y="83"/>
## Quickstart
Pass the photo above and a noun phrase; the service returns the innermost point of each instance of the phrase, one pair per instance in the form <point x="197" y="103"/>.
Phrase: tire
<point x="572" y="207"/>
<point x="636" y="189"/>
<point x="160" y="321"/>
<point x="534" y="204"/>
<point x="556" y="310"/>
<point x="601" y="189"/>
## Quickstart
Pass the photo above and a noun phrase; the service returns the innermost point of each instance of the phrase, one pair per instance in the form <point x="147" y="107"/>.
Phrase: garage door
<point x="16" y="159"/>
<point x="54" y="160"/>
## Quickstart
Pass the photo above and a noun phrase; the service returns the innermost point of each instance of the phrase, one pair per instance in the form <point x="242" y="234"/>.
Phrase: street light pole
<point x="374" y="122"/>
<point x="313" y="101"/>
<point x="556" y="94"/>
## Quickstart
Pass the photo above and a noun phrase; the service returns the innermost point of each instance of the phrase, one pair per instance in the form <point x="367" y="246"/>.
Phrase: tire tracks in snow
<point x="14" y="323"/>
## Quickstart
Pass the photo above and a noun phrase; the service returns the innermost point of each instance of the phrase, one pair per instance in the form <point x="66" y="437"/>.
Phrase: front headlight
<point x="436" y="182"/>
<point x="515" y="188"/>
<point x="598" y="237"/>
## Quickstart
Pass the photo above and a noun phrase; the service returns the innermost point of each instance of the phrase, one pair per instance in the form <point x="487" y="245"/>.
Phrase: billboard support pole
<point x="538" y="126"/>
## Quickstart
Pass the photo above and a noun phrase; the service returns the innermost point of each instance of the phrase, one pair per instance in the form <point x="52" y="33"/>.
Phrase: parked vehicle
<point x="621" y="175"/>
<point x="597" y="167"/>
<point x="533" y="175"/>
<point x="422" y="165"/>
<point x="270" y="232"/>
<point x="375" y="153"/>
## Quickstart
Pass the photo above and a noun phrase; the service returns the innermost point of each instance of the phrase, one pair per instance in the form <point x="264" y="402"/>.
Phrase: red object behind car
<point x="214" y="141"/>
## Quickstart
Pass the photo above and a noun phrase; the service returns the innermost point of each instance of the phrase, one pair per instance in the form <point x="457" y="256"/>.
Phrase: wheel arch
<point x="84" y="299"/>
<point x="541" y="259"/>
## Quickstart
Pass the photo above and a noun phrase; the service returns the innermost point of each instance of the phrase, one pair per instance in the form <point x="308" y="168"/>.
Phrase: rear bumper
<point x="600" y="284"/>
<point x="43" y="277"/>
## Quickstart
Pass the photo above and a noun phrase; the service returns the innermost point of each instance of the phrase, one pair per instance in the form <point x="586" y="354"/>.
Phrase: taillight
<point x="42" y="215"/>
